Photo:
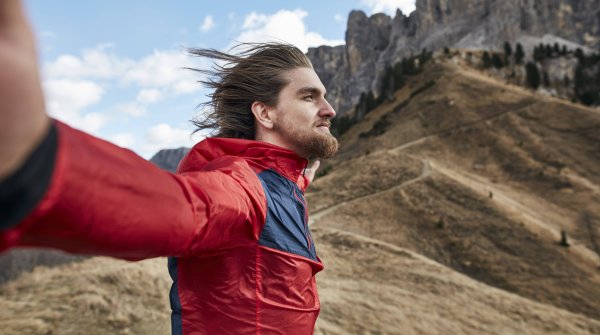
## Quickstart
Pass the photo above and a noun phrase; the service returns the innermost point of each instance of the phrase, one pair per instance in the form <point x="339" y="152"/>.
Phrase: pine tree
<point x="408" y="66"/>
<point x="371" y="102"/>
<point x="497" y="61"/>
<point x="539" y="53"/>
<point x="519" y="54"/>
<point x="533" y="75"/>
<point x="487" y="61"/>
<point x="398" y="76"/>
<point x="579" y="55"/>
<point x="424" y="57"/>
<point x="507" y="49"/>
<point x="387" y="85"/>
<point x="548" y="51"/>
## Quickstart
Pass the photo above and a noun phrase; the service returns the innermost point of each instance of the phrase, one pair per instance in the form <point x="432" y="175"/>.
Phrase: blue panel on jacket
<point x="176" y="325"/>
<point x="286" y="226"/>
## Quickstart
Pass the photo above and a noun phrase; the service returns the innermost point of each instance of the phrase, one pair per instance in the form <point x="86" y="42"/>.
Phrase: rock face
<point x="168" y="159"/>
<point x="376" y="42"/>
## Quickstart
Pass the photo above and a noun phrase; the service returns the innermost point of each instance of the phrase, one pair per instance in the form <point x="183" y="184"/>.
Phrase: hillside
<point x="481" y="177"/>
<point x="441" y="214"/>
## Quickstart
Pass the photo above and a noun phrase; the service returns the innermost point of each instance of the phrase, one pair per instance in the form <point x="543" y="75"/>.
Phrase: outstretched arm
<point x="97" y="198"/>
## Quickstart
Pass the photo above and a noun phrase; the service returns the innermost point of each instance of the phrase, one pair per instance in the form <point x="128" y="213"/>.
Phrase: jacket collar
<point x="259" y="155"/>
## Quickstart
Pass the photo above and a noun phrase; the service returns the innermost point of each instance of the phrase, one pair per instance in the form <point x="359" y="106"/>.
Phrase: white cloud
<point x="125" y="140"/>
<point x="149" y="96"/>
<point x="132" y="108"/>
<point x="389" y="6"/>
<point x="163" y="69"/>
<point x="339" y="18"/>
<point x="66" y="100"/>
<point x="285" y="25"/>
<point x="254" y="20"/>
<point x="208" y="24"/>
<point x="96" y="63"/>
<point x="163" y="136"/>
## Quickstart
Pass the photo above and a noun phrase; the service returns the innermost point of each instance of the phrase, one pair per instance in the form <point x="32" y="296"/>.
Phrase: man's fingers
<point x="310" y="172"/>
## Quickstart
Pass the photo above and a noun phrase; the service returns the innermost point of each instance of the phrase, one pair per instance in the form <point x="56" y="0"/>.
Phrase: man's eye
<point x="308" y="98"/>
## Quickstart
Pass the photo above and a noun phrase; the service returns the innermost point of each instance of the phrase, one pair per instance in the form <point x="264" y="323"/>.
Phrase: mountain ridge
<point x="377" y="42"/>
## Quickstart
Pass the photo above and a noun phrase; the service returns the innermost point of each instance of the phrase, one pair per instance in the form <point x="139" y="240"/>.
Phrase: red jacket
<point x="233" y="222"/>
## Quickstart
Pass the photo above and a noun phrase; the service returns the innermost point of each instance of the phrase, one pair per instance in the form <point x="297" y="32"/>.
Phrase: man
<point x="233" y="220"/>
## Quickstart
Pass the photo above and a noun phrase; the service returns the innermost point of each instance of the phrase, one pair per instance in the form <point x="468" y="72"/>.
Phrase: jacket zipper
<point x="308" y="239"/>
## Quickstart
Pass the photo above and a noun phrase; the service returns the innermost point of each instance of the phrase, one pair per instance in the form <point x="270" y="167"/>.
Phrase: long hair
<point x="238" y="80"/>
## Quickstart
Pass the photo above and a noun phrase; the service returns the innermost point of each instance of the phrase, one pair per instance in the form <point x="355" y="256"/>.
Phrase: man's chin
<point x="324" y="146"/>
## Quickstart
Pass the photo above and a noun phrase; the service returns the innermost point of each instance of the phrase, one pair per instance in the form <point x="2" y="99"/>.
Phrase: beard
<point x="309" y="142"/>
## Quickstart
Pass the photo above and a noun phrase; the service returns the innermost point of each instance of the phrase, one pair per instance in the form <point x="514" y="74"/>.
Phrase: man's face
<point x="303" y="116"/>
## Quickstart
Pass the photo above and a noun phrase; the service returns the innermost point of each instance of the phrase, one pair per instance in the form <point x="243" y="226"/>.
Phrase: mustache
<point x="325" y="122"/>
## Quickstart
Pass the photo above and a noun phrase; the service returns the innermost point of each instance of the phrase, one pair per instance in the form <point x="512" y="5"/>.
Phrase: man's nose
<point x="327" y="110"/>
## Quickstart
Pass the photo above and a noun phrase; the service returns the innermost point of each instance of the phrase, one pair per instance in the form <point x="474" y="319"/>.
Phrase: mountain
<point x="442" y="213"/>
<point x="168" y="159"/>
<point x="377" y="42"/>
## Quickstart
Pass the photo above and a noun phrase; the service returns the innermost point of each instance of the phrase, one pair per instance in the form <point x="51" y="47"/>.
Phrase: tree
<point x="424" y="57"/>
<point x="563" y="51"/>
<point x="532" y="75"/>
<point x="579" y="79"/>
<point x="538" y="53"/>
<point x="579" y="55"/>
<point x="388" y="85"/>
<point x="497" y="61"/>
<point x="507" y="49"/>
<point x="519" y="54"/>
<point x="486" y="59"/>
<point x="371" y="102"/>
<point x="361" y="107"/>
<point x="408" y="66"/>
<point x="398" y="76"/>
<point x="548" y="50"/>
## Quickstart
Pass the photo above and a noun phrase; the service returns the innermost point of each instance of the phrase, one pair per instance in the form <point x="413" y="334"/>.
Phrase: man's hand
<point x="23" y="120"/>
<point x="309" y="173"/>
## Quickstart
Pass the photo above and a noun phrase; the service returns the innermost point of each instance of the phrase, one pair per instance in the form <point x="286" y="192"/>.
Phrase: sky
<point x="116" y="69"/>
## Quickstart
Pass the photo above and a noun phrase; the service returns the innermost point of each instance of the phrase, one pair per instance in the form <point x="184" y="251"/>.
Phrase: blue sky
<point x="114" y="68"/>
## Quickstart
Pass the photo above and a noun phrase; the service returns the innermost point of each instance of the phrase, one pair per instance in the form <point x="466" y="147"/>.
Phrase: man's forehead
<point x="305" y="79"/>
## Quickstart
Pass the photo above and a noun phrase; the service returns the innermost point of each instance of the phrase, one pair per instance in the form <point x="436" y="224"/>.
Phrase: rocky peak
<point x="377" y="42"/>
<point x="168" y="159"/>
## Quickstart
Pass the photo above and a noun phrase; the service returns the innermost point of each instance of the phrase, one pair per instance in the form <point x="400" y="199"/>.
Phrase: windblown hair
<point x="238" y="80"/>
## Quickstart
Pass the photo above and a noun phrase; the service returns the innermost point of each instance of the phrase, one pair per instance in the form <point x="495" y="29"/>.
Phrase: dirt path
<point x="425" y="172"/>
<point x="538" y="216"/>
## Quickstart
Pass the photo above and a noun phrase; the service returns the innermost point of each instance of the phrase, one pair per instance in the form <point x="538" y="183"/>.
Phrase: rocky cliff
<point x="376" y="42"/>
<point x="168" y="159"/>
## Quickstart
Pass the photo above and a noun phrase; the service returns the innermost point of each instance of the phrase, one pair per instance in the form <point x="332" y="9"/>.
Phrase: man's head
<point x="269" y="92"/>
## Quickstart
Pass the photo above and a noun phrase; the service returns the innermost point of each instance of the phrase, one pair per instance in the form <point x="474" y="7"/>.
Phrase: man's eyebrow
<point x="310" y="90"/>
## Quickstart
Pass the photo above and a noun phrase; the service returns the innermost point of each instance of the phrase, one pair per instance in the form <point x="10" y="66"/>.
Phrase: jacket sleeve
<point x="105" y="200"/>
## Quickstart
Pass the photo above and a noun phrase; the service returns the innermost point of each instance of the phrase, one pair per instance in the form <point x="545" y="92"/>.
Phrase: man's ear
<point x="263" y="114"/>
